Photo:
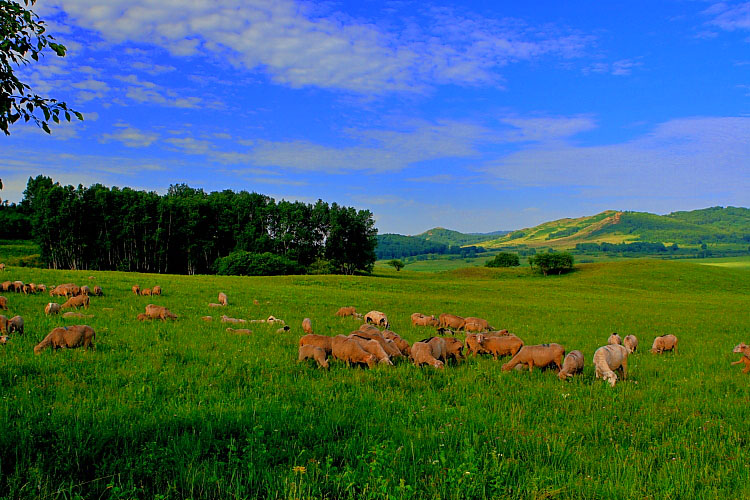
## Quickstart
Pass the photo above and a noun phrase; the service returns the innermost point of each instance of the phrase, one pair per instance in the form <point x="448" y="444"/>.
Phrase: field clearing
<point x="187" y="410"/>
<point x="734" y="262"/>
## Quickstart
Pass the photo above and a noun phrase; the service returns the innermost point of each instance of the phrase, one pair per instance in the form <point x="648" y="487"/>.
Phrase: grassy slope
<point x="186" y="409"/>
<point x="455" y="238"/>
<point x="684" y="228"/>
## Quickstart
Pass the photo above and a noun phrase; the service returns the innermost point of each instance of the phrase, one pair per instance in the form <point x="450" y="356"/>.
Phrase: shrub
<point x="556" y="263"/>
<point x="256" y="264"/>
<point x="504" y="259"/>
<point x="397" y="264"/>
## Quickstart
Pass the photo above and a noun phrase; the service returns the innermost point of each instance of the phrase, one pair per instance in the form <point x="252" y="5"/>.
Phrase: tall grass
<point x="187" y="410"/>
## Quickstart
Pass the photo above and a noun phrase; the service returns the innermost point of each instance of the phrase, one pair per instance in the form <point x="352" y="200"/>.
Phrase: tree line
<point x="187" y="230"/>
<point x="397" y="246"/>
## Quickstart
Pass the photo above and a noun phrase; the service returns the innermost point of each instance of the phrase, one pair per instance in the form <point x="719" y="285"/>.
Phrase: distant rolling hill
<point x="710" y="225"/>
<point x="454" y="238"/>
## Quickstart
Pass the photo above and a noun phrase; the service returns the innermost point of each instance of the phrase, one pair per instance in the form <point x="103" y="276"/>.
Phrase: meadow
<point x="186" y="409"/>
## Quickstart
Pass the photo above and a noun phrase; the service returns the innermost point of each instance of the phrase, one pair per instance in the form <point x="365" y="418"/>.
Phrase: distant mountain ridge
<point x="729" y="225"/>
<point x="455" y="238"/>
<point x="708" y="225"/>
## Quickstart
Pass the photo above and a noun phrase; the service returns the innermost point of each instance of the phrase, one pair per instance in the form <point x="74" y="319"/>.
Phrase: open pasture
<point x="185" y="409"/>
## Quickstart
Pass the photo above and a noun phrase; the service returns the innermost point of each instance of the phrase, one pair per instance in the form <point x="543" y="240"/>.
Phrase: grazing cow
<point x="146" y="291"/>
<point x="609" y="358"/>
<point x="572" y="364"/>
<point x="156" y="290"/>
<point x="537" y="355"/>
<point x="307" y="325"/>
<point x="98" y="291"/>
<point x="85" y="290"/>
<point x="68" y="338"/>
<point x="136" y="289"/>
<point x="3" y="324"/>
<point x="454" y="349"/>
<point x="664" y="343"/>
<point x="3" y="303"/>
<point x="223" y="299"/>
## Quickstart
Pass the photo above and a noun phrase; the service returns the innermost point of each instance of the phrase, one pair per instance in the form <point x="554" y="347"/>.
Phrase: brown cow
<point x="454" y="349"/>
<point x="402" y="345"/>
<point x="5" y="286"/>
<point x="537" y="355"/>
<point x="474" y="344"/>
<point x="136" y="289"/>
<point x="223" y="299"/>
<point x="68" y="338"/>
<point x="98" y="291"/>
<point x="146" y="291"/>
<point x="156" y="290"/>
<point x="614" y="339"/>
<point x="3" y="303"/>
<point x="307" y="325"/>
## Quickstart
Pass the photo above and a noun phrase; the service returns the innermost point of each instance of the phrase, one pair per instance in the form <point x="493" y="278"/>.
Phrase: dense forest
<point x="397" y="246"/>
<point x="187" y="230"/>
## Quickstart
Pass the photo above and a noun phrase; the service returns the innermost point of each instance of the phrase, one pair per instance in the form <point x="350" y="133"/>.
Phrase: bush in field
<point x="256" y="264"/>
<point x="504" y="259"/>
<point x="397" y="264"/>
<point x="555" y="263"/>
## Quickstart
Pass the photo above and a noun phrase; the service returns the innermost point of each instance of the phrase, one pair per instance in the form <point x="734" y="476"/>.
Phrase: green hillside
<point x="717" y="225"/>
<point x="454" y="238"/>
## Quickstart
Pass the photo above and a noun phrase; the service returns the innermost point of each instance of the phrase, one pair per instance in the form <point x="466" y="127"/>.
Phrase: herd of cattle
<point x="373" y="343"/>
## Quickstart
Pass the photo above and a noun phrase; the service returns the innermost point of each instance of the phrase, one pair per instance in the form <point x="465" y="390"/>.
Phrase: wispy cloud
<point x="685" y="157"/>
<point x="296" y="46"/>
<point x="131" y="137"/>
<point x="730" y="16"/>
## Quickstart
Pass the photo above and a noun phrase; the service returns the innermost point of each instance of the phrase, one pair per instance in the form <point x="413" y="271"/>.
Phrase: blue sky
<point x="475" y="116"/>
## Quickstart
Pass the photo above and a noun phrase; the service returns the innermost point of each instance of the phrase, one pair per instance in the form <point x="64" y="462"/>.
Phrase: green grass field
<point x="185" y="409"/>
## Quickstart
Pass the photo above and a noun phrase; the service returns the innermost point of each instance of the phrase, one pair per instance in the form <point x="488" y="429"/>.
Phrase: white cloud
<point x="297" y="47"/>
<point x="691" y="157"/>
<point x="131" y="137"/>
<point x="544" y="129"/>
<point x="730" y="17"/>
